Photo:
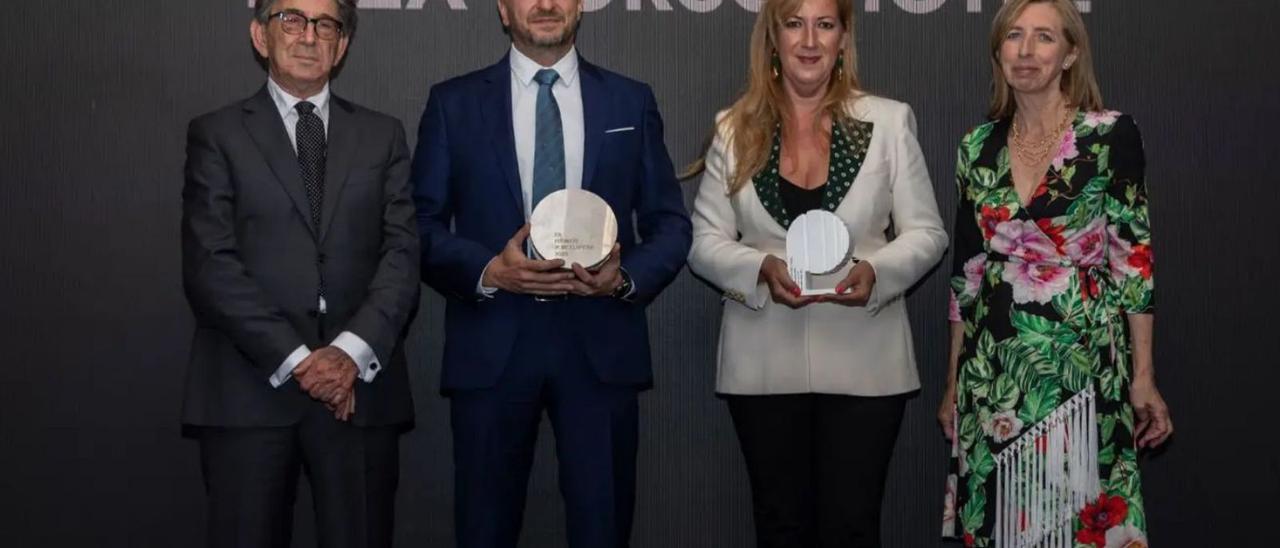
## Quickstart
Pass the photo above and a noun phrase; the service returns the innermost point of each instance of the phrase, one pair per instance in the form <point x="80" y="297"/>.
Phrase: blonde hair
<point x="1079" y="83"/>
<point x="753" y="118"/>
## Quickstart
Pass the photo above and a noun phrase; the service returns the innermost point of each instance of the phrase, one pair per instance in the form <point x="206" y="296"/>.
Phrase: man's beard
<point x="550" y="41"/>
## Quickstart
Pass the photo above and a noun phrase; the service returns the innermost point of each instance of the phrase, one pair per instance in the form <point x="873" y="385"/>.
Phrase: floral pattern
<point x="1125" y="536"/>
<point x="1042" y="290"/>
<point x="1097" y="518"/>
<point x="1067" y="150"/>
<point x="1003" y="426"/>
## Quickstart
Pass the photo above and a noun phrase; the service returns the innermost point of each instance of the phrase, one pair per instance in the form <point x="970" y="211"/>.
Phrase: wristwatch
<point x="625" y="287"/>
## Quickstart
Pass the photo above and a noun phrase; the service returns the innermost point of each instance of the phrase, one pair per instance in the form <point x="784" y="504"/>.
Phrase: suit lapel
<point x="262" y="120"/>
<point x="495" y="108"/>
<point x="849" y="142"/>
<point x="768" y="181"/>
<point x="343" y="138"/>
<point x="593" y="114"/>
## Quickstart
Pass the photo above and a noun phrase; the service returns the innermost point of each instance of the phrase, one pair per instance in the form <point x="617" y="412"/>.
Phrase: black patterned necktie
<point x="311" y="157"/>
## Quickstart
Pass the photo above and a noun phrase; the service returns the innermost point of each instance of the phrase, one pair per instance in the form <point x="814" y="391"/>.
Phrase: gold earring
<point x="775" y="63"/>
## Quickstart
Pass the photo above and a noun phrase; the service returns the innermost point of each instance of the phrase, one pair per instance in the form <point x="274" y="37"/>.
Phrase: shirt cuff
<point x="481" y="290"/>
<point x="360" y="352"/>
<point x="285" y="371"/>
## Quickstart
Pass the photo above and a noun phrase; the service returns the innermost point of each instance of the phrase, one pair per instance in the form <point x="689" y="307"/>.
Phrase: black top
<point x="849" y="142"/>
<point x="798" y="201"/>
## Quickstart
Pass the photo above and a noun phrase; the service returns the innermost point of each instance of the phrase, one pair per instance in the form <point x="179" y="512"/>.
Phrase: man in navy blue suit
<point x="525" y="336"/>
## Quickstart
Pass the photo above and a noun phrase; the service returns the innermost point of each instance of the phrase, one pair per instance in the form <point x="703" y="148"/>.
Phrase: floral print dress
<point x="1044" y="452"/>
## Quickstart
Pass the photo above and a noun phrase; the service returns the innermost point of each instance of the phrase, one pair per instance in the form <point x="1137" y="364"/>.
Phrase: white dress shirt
<point x="352" y="344"/>
<point x="524" y="112"/>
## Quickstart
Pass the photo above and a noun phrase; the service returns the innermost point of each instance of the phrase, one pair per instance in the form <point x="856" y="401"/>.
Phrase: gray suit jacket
<point x="252" y="261"/>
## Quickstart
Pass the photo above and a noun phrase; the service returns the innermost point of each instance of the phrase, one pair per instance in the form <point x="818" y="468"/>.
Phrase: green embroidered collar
<point x="848" y="151"/>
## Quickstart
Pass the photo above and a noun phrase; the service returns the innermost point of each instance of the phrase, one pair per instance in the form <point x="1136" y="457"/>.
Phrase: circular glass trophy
<point x="817" y="244"/>
<point x="575" y="226"/>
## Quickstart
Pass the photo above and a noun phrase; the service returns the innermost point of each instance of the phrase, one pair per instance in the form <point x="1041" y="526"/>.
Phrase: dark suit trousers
<point x="495" y="431"/>
<point x="817" y="465"/>
<point x="251" y="479"/>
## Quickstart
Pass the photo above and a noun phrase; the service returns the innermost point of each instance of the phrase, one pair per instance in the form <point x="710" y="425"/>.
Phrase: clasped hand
<point x="514" y="272"/>
<point x="328" y="375"/>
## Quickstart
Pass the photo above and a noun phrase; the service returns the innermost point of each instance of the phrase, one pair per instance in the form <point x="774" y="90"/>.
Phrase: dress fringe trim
<point x="1045" y="477"/>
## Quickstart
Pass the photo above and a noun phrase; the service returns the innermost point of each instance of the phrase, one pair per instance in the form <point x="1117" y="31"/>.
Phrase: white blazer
<point x="767" y="348"/>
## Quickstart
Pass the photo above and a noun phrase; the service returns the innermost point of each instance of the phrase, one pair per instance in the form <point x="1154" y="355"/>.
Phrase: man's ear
<point x="258" y="33"/>
<point x="502" y="14"/>
<point x="342" y="49"/>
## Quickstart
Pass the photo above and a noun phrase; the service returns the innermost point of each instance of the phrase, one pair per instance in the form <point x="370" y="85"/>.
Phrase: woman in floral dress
<point x="1051" y="390"/>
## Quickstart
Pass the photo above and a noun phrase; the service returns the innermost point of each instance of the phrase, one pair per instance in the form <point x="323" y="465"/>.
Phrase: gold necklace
<point x="1035" y="152"/>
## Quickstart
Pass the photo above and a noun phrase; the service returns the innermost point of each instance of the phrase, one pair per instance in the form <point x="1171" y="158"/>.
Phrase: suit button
<point x="320" y="258"/>
<point x="311" y="312"/>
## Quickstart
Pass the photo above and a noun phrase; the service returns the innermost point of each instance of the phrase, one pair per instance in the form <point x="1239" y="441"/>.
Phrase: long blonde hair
<point x="753" y="118"/>
<point x="1079" y="83"/>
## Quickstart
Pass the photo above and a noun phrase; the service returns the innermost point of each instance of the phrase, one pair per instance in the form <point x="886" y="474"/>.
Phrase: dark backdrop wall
<point x="95" y="99"/>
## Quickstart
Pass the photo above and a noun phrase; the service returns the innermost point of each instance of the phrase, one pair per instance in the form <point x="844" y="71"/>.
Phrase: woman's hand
<point x="947" y="409"/>
<point x="773" y="271"/>
<point x="1154" y="425"/>
<point x="947" y="413"/>
<point x="854" y="289"/>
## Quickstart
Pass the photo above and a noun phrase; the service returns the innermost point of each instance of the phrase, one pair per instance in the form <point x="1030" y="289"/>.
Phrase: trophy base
<point x="818" y="292"/>
<point x="822" y="284"/>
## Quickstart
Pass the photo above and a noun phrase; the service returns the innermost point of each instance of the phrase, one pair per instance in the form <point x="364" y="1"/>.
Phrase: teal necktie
<point x="548" y="147"/>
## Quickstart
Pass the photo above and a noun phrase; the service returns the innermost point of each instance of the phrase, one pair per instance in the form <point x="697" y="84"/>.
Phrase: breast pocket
<point x="620" y="151"/>
<point x="621" y="135"/>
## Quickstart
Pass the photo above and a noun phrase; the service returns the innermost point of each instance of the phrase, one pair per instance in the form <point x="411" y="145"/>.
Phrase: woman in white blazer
<point x="816" y="385"/>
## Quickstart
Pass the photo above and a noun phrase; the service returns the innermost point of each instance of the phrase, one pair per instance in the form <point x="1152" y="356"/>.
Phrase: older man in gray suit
<point x="300" y="262"/>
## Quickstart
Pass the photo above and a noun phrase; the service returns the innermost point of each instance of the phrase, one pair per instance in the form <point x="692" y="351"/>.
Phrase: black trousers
<point x="251" y="481"/>
<point x="817" y="465"/>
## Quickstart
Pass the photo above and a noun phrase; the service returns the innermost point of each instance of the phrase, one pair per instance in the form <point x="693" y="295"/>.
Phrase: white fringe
<point x="1046" y="476"/>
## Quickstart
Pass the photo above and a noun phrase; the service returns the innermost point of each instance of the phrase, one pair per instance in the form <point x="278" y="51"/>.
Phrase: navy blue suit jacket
<point x="469" y="204"/>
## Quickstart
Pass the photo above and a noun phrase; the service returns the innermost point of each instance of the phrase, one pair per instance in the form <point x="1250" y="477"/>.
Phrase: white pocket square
<point x="620" y="129"/>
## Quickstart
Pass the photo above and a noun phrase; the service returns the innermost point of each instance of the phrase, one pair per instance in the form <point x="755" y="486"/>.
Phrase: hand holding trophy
<point x="579" y="229"/>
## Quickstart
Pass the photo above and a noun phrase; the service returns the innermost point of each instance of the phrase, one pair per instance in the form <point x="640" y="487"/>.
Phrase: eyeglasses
<point x="327" y="28"/>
